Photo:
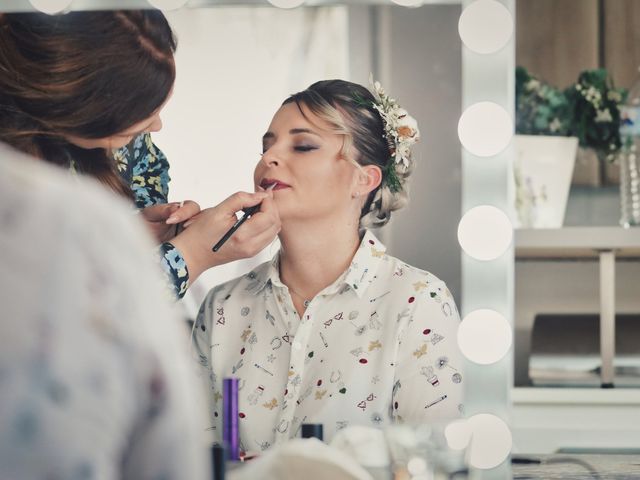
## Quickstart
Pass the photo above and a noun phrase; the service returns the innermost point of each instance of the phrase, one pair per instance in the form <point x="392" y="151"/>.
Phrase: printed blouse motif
<point x="145" y="169"/>
<point x="377" y="345"/>
<point x="94" y="375"/>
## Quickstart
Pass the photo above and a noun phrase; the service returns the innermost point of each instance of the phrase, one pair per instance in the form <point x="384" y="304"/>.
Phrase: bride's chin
<point x="292" y="215"/>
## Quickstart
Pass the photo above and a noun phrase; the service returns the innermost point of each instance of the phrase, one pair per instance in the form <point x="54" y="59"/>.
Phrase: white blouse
<point x="95" y="375"/>
<point x="378" y="344"/>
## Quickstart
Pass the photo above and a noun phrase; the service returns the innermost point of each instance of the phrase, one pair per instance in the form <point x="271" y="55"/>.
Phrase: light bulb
<point x="51" y="6"/>
<point x="286" y="3"/>
<point x="485" y="26"/>
<point x="485" y="129"/>
<point x="408" y="3"/>
<point x="485" y="232"/>
<point x="491" y="441"/>
<point x="484" y="336"/>
<point x="416" y="466"/>
<point x="458" y="434"/>
<point x="166" y="5"/>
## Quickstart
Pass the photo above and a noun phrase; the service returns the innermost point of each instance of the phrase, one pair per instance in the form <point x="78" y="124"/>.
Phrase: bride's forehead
<point x="292" y="115"/>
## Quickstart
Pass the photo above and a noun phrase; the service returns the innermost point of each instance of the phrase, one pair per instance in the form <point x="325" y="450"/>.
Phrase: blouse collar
<point x="357" y="277"/>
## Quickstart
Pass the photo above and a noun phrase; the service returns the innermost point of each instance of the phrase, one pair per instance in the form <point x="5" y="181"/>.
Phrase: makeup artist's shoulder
<point x="47" y="188"/>
<point x="247" y="285"/>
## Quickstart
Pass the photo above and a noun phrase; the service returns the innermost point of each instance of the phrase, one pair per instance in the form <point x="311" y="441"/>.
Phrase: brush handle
<point x="248" y="212"/>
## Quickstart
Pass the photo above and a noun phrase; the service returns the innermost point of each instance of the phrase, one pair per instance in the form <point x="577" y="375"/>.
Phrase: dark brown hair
<point x="348" y="108"/>
<point x="86" y="74"/>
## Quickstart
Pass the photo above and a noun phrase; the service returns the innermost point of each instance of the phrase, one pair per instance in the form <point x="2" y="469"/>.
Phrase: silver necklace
<point x="305" y="301"/>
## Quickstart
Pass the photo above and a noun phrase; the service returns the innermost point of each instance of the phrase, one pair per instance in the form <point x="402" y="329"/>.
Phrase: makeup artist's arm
<point x="205" y="229"/>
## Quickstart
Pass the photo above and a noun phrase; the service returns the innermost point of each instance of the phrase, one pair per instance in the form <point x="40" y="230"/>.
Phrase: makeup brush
<point x="248" y="212"/>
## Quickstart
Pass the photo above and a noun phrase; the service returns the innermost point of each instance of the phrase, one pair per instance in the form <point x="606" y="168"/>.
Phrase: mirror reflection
<point x="322" y="328"/>
<point x="333" y="331"/>
<point x="576" y="304"/>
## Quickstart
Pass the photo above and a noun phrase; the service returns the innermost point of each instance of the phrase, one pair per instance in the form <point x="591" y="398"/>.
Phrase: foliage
<point x="540" y="108"/>
<point x="595" y="106"/>
<point x="588" y="109"/>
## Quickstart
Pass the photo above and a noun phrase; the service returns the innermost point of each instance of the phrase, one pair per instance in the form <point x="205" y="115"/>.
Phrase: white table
<point x="605" y="243"/>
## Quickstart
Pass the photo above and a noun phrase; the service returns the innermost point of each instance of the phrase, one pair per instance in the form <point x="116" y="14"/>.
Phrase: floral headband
<point x="400" y="131"/>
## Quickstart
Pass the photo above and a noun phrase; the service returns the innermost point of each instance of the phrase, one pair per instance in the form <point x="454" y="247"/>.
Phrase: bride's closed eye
<point x="304" y="148"/>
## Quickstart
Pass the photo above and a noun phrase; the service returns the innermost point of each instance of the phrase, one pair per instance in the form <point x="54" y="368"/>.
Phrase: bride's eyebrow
<point x="295" y="131"/>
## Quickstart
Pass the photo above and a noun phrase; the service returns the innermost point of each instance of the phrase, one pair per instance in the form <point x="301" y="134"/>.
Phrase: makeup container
<point x="312" y="430"/>
<point x="230" y="418"/>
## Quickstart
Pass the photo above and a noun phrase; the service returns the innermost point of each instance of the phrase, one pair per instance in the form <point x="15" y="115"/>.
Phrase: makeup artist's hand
<point x="206" y="228"/>
<point x="162" y="219"/>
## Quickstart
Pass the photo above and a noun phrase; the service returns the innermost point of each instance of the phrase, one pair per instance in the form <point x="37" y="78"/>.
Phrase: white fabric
<point x="378" y="344"/>
<point x="95" y="381"/>
<point x="307" y="458"/>
<point x="365" y="445"/>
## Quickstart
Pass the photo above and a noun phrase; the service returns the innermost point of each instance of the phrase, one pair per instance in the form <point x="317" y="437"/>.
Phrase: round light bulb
<point x="286" y="3"/>
<point x="485" y="26"/>
<point x="166" y="5"/>
<point x="484" y="336"/>
<point x="485" y="232"/>
<point x="416" y="466"/>
<point x="485" y="129"/>
<point x="408" y="3"/>
<point x="458" y="434"/>
<point x="491" y="441"/>
<point x="51" y="7"/>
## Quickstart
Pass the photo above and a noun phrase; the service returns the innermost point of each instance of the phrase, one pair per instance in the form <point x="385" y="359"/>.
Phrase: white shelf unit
<point x="546" y="420"/>
<point x="602" y="243"/>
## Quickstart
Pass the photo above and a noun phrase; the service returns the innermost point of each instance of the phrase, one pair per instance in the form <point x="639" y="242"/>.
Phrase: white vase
<point x="543" y="171"/>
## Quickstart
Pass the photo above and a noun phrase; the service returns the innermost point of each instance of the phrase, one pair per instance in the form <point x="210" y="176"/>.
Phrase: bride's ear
<point x="369" y="177"/>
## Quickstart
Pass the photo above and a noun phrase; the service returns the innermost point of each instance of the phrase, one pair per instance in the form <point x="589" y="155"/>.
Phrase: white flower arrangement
<point x="401" y="132"/>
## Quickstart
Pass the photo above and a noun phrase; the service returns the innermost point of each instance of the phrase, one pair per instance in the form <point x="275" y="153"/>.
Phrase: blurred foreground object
<point x="95" y="379"/>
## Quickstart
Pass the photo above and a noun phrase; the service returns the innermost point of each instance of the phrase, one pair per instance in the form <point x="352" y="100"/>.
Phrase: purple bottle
<point x="230" y="427"/>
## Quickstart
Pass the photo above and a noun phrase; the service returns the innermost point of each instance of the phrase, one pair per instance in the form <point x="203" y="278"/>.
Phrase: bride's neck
<point x="314" y="256"/>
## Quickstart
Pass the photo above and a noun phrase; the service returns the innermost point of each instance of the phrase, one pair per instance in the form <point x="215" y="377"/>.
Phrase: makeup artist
<point x="84" y="91"/>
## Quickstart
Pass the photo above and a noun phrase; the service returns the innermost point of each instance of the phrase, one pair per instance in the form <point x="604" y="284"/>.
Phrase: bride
<point x="332" y="330"/>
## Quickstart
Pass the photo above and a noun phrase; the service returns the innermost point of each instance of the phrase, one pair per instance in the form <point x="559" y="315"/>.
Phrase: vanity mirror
<point x="233" y="71"/>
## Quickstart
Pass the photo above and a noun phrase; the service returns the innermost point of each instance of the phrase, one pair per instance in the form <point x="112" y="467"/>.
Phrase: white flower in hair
<point x="401" y="129"/>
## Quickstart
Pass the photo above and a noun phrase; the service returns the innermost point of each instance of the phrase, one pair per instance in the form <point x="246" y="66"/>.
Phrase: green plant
<point x="541" y="109"/>
<point x="588" y="109"/>
<point x="595" y="112"/>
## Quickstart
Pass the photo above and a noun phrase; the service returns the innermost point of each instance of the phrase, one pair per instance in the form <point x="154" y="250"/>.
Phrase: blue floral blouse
<point x="146" y="170"/>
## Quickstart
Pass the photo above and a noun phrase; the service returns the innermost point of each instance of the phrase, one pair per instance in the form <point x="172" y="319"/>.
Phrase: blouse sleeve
<point x="428" y="380"/>
<point x="175" y="268"/>
<point x="201" y="347"/>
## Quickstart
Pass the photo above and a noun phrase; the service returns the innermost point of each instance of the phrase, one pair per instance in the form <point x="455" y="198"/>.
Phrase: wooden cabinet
<point x="557" y="39"/>
<point x="621" y="47"/>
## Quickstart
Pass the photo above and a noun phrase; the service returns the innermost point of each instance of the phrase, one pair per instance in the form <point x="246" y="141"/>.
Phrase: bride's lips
<point x="279" y="185"/>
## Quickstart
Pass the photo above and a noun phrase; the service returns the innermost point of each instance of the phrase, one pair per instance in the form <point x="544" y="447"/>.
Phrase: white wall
<point x="235" y="67"/>
<point x="420" y="56"/>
